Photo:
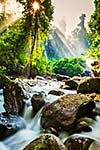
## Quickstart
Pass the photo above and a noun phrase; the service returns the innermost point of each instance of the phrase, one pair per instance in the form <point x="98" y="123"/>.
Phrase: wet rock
<point x="46" y="142"/>
<point x="87" y="73"/>
<point x="86" y="109"/>
<point x="58" y="93"/>
<point x="51" y="130"/>
<point x="38" y="101"/>
<point x="10" y="124"/>
<point x="73" y="85"/>
<point x="76" y="142"/>
<point x="39" y="78"/>
<point x="25" y="84"/>
<point x="62" y="77"/>
<point x="65" y="87"/>
<point x="75" y="81"/>
<point x="81" y="126"/>
<point x="96" y="99"/>
<point x="47" y="77"/>
<point x="90" y="85"/>
<point x="13" y="97"/>
<point x="64" y="113"/>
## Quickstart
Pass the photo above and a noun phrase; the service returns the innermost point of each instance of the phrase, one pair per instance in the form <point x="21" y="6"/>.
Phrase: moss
<point x="46" y="142"/>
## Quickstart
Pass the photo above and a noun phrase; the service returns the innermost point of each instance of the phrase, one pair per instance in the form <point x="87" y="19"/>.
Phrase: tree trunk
<point x="34" y="34"/>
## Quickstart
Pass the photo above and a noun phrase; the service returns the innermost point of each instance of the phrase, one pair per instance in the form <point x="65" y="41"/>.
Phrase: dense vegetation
<point x="38" y="26"/>
<point x="68" y="66"/>
<point x="25" y="39"/>
<point x="22" y="43"/>
<point x="13" y="48"/>
<point x="94" y="33"/>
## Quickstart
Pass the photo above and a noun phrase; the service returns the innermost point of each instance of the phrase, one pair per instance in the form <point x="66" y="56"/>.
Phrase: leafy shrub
<point x="69" y="66"/>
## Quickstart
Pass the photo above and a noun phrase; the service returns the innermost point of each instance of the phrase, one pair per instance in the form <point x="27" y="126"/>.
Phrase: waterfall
<point x="27" y="114"/>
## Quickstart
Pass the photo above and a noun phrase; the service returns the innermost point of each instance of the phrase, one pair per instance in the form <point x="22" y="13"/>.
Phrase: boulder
<point x="81" y="125"/>
<point x="74" y="82"/>
<point x="64" y="113"/>
<point x="89" y="85"/>
<point x="46" y="142"/>
<point x="38" y="101"/>
<point x="73" y="85"/>
<point x="10" y="124"/>
<point x="78" y="142"/>
<point x="13" y="97"/>
<point x="57" y="93"/>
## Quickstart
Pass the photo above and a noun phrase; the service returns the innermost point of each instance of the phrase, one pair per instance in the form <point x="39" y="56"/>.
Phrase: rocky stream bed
<point x="50" y="113"/>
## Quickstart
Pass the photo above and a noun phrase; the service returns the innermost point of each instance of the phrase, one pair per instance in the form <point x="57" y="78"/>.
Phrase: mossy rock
<point x="90" y="85"/>
<point x="13" y="97"/>
<point x="46" y="142"/>
<point x="78" y="142"/>
<point x="65" y="112"/>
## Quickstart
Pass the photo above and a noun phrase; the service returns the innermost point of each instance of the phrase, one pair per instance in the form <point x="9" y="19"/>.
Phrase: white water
<point x="1" y="101"/>
<point x="33" y="127"/>
<point x="23" y="137"/>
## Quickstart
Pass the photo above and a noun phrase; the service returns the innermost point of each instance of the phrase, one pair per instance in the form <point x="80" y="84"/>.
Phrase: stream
<point x="33" y="128"/>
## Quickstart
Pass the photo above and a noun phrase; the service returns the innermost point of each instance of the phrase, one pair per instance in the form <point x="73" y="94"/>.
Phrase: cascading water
<point x="33" y="128"/>
<point x="1" y="101"/>
<point x="24" y="136"/>
<point x="95" y="134"/>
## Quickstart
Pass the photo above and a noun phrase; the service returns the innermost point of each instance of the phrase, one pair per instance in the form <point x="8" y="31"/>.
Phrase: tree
<point x="37" y="24"/>
<point x="94" y="23"/>
<point x="13" y="45"/>
<point x="94" y="32"/>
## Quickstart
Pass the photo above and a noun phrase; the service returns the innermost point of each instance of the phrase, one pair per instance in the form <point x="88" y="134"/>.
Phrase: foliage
<point x="13" y="44"/>
<point x="94" y="23"/>
<point x="2" y="70"/>
<point x="69" y="66"/>
<point x="39" y="59"/>
<point x="38" y="26"/>
<point x="94" y="33"/>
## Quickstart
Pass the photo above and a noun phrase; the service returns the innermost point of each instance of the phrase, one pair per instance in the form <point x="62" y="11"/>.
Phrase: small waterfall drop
<point x="1" y="101"/>
<point x="28" y="113"/>
<point x="95" y="133"/>
<point x="23" y="137"/>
